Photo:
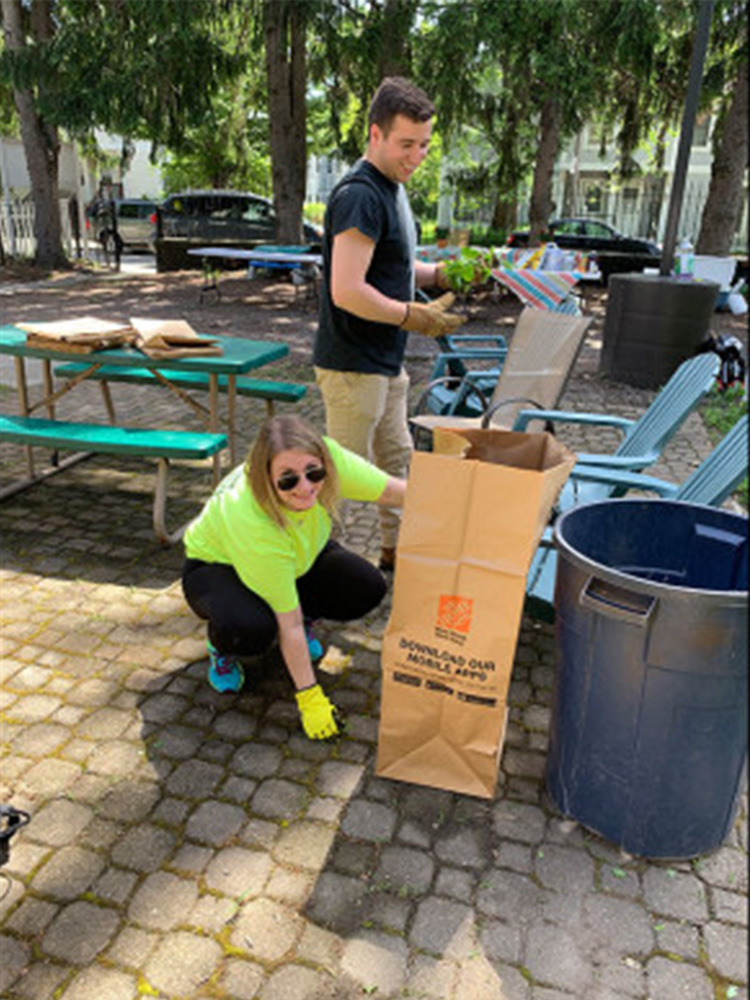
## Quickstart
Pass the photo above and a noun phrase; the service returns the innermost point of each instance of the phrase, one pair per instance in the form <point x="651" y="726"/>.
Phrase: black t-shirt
<point x="366" y="200"/>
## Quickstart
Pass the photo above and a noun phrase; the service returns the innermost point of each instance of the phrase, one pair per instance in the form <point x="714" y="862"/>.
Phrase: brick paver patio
<point x="188" y="845"/>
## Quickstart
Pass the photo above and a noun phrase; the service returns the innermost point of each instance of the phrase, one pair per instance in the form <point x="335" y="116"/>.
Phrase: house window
<point x="701" y="130"/>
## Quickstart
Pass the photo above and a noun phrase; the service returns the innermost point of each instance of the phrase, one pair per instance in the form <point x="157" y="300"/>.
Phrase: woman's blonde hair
<point x="288" y="433"/>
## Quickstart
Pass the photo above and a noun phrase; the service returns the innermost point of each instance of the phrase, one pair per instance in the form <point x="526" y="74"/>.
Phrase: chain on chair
<point x="11" y="821"/>
<point x="464" y="388"/>
<point x="494" y="407"/>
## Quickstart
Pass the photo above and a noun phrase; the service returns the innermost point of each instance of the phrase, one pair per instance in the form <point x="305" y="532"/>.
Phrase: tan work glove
<point x="432" y="318"/>
<point x="441" y="279"/>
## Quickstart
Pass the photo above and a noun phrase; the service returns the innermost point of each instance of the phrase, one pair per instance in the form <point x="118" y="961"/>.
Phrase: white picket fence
<point x="17" y="228"/>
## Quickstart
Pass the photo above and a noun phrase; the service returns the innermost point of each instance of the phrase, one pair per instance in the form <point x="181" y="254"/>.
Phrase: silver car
<point x="135" y="219"/>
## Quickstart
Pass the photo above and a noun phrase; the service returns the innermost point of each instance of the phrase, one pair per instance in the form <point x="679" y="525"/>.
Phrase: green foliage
<point x="221" y="154"/>
<point x="136" y="69"/>
<point x="8" y="115"/>
<point x="488" y="237"/>
<point x="648" y="44"/>
<point x="314" y="212"/>
<point x="721" y="410"/>
<point x="425" y="183"/>
<point x="356" y="44"/>
<point x="470" y="269"/>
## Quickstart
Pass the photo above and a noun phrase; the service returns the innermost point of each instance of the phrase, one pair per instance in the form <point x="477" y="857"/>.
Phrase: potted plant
<point x="441" y="235"/>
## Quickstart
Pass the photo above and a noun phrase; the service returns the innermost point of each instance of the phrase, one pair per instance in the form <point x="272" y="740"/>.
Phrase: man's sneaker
<point x="314" y="644"/>
<point x="225" y="673"/>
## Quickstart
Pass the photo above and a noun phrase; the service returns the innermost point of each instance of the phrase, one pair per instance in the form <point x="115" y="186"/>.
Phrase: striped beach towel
<point x="541" y="289"/>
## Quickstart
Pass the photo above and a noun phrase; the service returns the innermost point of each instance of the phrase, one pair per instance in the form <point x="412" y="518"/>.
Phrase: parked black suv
<point x="222" y="217"/>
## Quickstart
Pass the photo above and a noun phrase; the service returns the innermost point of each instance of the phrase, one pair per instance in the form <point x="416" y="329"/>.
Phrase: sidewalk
<point x="188" y="845"/>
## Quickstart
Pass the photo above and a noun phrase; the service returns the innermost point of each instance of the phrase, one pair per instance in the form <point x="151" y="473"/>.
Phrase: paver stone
<point x="80" y="932"/>
<point x="181" y="963"/>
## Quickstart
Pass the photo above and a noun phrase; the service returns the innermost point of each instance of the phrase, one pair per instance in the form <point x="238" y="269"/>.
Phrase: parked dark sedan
<point x="590" y="234"/>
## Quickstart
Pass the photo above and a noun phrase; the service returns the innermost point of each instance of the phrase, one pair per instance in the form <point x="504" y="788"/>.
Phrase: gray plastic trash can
<point x="648" y="736"/>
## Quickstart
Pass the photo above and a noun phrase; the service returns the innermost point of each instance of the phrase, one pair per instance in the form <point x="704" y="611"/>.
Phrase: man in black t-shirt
<point x="370" y="273"/>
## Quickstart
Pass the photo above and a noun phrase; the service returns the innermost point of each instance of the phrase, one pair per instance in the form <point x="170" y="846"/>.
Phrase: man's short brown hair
<point x="398" y="96"/>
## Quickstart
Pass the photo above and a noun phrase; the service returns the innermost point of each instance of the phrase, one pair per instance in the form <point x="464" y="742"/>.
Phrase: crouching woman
<point x="261" y="564"/>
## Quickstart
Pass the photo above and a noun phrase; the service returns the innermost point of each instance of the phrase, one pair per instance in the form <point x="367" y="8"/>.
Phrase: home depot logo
<point x="454" y="617"/>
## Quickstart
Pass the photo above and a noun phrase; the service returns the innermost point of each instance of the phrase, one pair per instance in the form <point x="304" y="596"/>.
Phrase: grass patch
<point x="720" y="411"/>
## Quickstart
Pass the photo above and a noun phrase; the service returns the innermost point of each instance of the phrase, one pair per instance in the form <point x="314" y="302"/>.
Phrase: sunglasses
<point x="288" y="480"/>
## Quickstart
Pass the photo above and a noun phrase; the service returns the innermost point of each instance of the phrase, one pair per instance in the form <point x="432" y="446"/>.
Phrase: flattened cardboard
<point x="171" y="338"/>
<point x="79" y="335"/>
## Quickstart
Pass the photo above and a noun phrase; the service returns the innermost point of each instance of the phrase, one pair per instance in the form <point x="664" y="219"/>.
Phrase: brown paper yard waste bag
<point x="475" y="511"/>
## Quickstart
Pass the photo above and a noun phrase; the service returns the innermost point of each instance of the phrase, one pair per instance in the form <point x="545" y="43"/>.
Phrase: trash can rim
<point x="652" y="587"/>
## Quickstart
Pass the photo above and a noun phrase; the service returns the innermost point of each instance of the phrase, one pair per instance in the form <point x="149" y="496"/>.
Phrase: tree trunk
<point x="41" y="143"/>
<point x="284" y="28"/>
<point x="504" y="214"/>
<point x="721" y="213"/>
<point x="653" y="201"/>
<point x="540" y="208"/>
<point x="393" y="56"/>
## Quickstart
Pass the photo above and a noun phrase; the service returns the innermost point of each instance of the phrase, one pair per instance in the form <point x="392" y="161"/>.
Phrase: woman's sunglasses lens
<point x="287" y="482"/>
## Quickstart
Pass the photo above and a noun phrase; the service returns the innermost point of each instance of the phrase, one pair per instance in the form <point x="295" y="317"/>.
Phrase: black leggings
<point x="339" y="585"/>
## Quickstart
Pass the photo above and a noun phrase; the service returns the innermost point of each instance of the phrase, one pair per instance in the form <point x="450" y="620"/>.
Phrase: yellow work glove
<point x="317" y="713"/>
<point x="431" y="318"/>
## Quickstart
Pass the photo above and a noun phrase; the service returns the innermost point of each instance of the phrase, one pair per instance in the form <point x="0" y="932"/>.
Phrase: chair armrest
<point x="623" y="480"/>
<point x="444" y="361"/>
<point x="634" y="463"/>
<point x="547" y="540"/>
<point x="564" y="416"/>
<point x="455" y="341"/>
<point x="472" y="353"/>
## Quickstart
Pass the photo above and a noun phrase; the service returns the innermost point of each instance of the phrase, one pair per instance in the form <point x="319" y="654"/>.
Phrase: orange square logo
<point x="454" y="613"/>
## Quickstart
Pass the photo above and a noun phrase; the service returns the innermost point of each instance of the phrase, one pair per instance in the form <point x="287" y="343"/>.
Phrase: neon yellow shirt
<point x="234" y="529"/>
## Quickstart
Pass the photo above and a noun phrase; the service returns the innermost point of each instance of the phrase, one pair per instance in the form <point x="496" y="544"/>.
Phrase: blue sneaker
<point x="225" y="673"/>
<point x="314" y="645"/>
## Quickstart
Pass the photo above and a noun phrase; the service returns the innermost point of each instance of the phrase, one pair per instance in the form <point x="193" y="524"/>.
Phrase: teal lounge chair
<point x="489" y="350"/>
<point x="710" y="484"/>
<point x="644" y="439"/>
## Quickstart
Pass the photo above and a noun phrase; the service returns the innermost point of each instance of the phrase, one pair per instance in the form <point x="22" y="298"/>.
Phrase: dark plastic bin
<point x="648" y="736"/>
<point x="652" y="325"/>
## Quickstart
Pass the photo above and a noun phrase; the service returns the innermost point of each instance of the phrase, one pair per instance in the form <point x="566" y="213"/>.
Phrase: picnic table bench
<point x="270" y="391"/>
<point x="64" y="435"/>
